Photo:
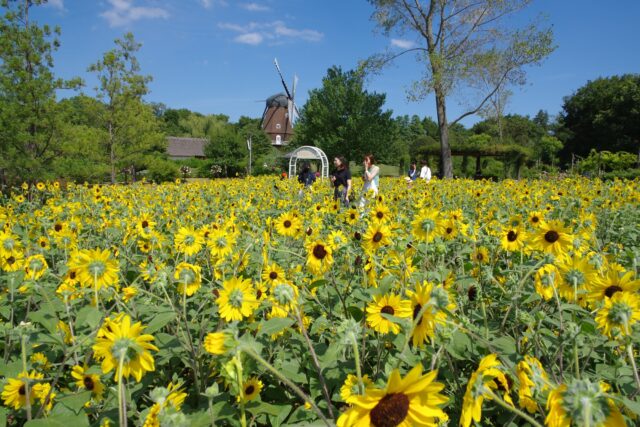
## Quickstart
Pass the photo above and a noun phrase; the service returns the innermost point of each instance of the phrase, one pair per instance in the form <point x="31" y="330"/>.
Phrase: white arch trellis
<point x="308" y="152"/>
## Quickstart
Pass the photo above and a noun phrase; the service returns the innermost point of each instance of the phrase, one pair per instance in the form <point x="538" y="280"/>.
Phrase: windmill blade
<point x="295" y="83"/>
<point x="275" y="61"/>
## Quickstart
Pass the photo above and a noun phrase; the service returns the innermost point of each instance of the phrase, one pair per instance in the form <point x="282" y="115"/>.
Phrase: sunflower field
<point x="255" y="302"/>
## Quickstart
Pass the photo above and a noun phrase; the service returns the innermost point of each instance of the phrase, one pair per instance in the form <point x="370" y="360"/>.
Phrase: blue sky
<point x="216" y="56"/>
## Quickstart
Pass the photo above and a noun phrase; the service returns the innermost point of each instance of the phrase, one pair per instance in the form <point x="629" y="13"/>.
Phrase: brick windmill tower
<point x="280" y="112"/>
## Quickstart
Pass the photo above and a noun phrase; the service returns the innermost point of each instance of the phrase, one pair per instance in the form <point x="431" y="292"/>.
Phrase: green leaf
<point x="632" y="405"/>
<point x="46" y="318"/>
<point x="60" y="420"/>
<point x="275" y="325"/>
<point x="88" y="316"/>
<point x="3" y="417"/>
<point x="160" y="319"/>
<point x="505" y="345"/>
<point x="459" y="345"/>
<point x="75" y="402"/>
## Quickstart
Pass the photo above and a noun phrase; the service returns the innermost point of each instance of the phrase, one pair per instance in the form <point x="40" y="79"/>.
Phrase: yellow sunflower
<point x="483" y="381"/>
<point x="351" y="216"/>
<point x="172" y="397"/>
<point x="616" y="279"/>
<point x="319" y="256"/>
<point x="237" y="299"/>
<point x="251" y="389"/>
<point x="13" y="262"/>
<point x="546" y="279"/>
<point x="189" y="278"/>
<point x="533" y="383"/>
<point x="552" y="237"/>
<point x="288" y="224"/>
<point x="376" y="236"/>
<point x="392" y="305"/>
<point x="380" y="213"/>
<point x="351" y="389"/>
<point x="412" y="401"/>
<point x="220" y="243"/>
<point x="427" y="225"/>
<point x="433" y="299"/>
<point x="90" y="382"/>
<point x="95" y="267"/>
<point x="512" y="239"/>
<point x="14" y="391"/>
<point x="9" y="243"/>
<point x="120" y="340"/>
<point x="535" y="218"/>
<point x="582" y="403"/>
<point x="273" y="273"/>
<point x="188" y="241"/>
<point x="215" y="342"/>
<point x="619" y="313"/>
<point x="35" y="266"/>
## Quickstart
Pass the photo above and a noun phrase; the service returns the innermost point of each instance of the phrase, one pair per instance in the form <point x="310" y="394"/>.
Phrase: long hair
<point x="343" y="162"/>
<point x="372" y="160"/>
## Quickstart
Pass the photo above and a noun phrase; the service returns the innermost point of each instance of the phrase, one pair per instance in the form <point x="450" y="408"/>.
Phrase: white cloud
<point x="206" y="3"/>
<point x="254" y="7"/>
<point x="255" y="33"/>
<point x="123" y="12"/>
<point x="58" y="4"/>
<point x="253" y="39"/>
<point x="403" y="44"/>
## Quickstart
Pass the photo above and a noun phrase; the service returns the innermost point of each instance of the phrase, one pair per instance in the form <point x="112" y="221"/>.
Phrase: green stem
<point x="122" y="403"/>
<point x="27" y="403"/>
<point x="513" y="409"/>
<point x="243" y="415"/>
<point x="356" y="356"/>
<point x="633" y="364"/>
<point x="288" y="382"/>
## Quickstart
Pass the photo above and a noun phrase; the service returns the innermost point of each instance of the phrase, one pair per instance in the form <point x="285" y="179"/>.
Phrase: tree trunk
<point x="112" y="154"/>
<point x="445" y="149"/>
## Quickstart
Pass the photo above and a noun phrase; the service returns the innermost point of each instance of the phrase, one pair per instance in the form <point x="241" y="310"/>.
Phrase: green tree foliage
<point x="462" y="42"/>
<point x="343" y="119"/>
<point x="132" y="131"/>
<point x="30" y="126"/>
<point x="604" y="114"/>
<point x="227" y="149"/>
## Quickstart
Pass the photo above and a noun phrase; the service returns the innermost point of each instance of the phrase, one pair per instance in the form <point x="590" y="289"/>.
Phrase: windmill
<point x="280" y="112"/>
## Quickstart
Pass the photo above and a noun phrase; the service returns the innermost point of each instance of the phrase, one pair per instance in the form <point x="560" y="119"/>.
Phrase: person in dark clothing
<point x="305" y="176"/>
<point x="341" y="178"/>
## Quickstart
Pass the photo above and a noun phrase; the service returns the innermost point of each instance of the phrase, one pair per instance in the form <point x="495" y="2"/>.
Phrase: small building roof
<point x="185" y="147"/>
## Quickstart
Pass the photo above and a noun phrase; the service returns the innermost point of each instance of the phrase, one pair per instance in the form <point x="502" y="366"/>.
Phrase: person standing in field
<point x="425" y="171"/>
<point x="371" y="178"/>
<point x="341" y="178"/>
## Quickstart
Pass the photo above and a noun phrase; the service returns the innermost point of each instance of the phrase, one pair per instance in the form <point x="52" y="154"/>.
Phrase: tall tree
<point x="132" y="130"/>
<point x="344" y="119"/>
<point x="460" y="40"/>
<point x="29" y="115"/>
<point x="604" y="114"/>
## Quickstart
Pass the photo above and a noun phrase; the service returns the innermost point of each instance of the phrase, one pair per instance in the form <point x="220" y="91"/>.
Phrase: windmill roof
<point x="185" y="147"/>
<point x="277" y="100"/>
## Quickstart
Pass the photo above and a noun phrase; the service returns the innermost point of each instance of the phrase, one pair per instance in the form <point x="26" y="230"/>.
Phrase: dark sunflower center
<point x="259" y="294"/>
<point x="416" y="311"/>
<point x="612" y="290"/>
<point x="479" y="256"/>
<point x="535" y="219"/>
<point x="390" y="411"/>
<point x="380" y="215"/>
<point x="273" y="275"/>
<point x="512" y="236"/>
<point x="551" y="236"/>
<point x="145" y="224"/>
<point x="449" y="230"/>
<point x="72" y="275"/>
<point x="352" y="216"/>
<point x="249" y="390"/>
<point x="287" y="224"/>
<point x="22" y="390"/>
<point x="43" y="244"/>
<point x="319" y="252"/>
<point x="472" y="293"/>
<point x="88" y="383"/>
<point x="57" y="227"/>
<point x="387" y="309"/>
<point x="11" y="260"/>
<point x="377" y="237"/>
